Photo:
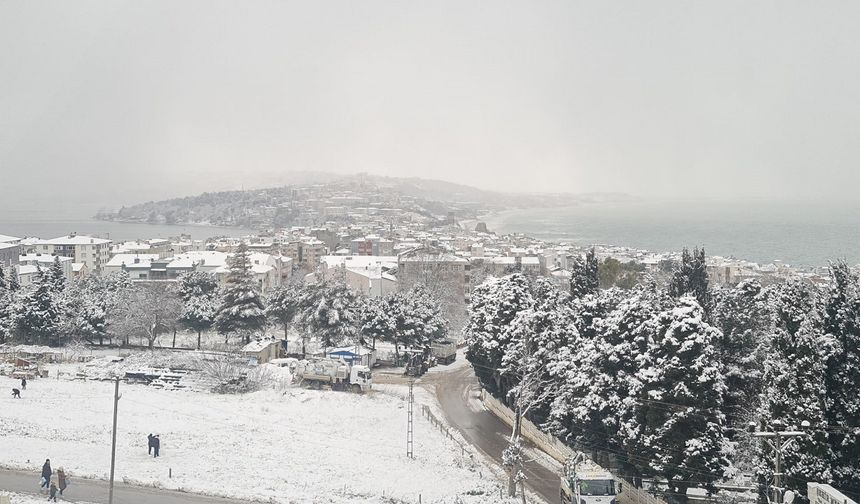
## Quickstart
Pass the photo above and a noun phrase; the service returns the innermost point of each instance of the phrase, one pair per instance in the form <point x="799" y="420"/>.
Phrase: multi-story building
<point x="369" y="275"/>
<point x="94" y="252"/>
<point x="9" y="253"/>
<point x="371" y="246"/>
<point x="429" y="266"/>
<point x="306" y="253"/>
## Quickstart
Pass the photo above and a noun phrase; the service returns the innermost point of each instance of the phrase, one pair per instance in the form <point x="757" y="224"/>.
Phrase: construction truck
<point x="584" y="482"/>
<point x="335" y="373"/>
<point x="445" y="351"/>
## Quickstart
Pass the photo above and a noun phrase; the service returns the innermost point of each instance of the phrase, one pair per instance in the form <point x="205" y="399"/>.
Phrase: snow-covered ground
<point x="288" y="445"/>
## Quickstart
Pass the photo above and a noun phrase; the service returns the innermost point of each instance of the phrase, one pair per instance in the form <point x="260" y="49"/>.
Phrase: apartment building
<point x="93" y="252"/>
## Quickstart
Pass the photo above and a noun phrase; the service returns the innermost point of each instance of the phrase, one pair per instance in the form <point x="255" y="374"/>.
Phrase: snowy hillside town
<point x="446" y="252"/>
<point x="366" y="360"/>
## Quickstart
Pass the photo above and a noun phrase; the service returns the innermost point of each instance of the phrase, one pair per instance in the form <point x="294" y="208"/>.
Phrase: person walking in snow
<point x="150" y="441"/>
<point x="16" y="394"/>
<point x="61" y="480"/>
<point x="53" y="495"/>
<point x="46" y="475"/>
<point x="156" y="444"/>
<point x="23" y="383"/>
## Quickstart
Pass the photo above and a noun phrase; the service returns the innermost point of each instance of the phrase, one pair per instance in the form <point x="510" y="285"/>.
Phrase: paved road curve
<point x="96" y="491"/>
<point x="485" y="430"/>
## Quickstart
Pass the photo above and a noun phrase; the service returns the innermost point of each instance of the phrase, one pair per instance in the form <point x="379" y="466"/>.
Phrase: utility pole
<point x="409" y="427"/>
<point x="778" y="439"/>
<point x="116" y="397"/>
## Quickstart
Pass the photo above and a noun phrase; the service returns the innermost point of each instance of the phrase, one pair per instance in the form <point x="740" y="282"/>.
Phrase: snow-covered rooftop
<point x="74" y="240"/>
<point x="131" y="260"/>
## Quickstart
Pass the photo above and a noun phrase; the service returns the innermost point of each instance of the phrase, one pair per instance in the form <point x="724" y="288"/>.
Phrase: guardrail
<point x="426" y="413"/>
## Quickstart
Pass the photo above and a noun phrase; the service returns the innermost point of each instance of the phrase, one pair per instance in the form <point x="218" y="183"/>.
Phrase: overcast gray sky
<point x="123" y="101"/>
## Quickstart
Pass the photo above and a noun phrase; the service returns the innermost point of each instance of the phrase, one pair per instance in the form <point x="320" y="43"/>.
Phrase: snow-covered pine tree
<point x="691" y="277"/>
<point x="333" y="317"/>
<point x="842" y="326"/>
<point x="376" y="322"/>
<point x="198" y="314"/>
<point x="195" y="284"/>
<point x="417" y="318"/>
<point x="283" y="306"/>
<point x="12" y="280"/>
<point x="743" y="319"/>
<point x="56" y="276"/>
<point x="493" y="306"/>
<point x="794" y="392"/>
<point x="6" y="309"/>
<point x="546" y="329"/>
<point x="585" y="278"/>
<point x="679" y="428"/>
<point x="41" y="316"/>
<point x="599" y="376"/>
<point x="241" y="310"/>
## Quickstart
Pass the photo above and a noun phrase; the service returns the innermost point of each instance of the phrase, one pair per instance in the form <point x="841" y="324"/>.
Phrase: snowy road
<point x="96" y="491"/>
<point x="457" y="391"/>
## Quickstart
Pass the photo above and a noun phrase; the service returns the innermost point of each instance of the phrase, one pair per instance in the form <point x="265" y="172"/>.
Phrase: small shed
<point x="264" y="350"/>
<point x="354" y="355"/>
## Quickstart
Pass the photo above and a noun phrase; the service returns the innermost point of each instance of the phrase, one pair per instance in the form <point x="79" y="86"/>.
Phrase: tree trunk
<point x="515" y="437"/>
<point x="174" y="338"/>
<point x="198" y="339"/>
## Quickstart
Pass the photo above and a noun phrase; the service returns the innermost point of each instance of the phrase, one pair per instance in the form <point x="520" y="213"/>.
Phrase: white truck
<point x="335" y="373"/>
<point x="587" y="483"/>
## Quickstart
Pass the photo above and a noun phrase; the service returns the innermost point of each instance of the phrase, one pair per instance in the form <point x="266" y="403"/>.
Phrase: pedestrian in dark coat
<point x="61" y="480"/>
<point x="16" y="393"/>
<point x="156" y="444"/>
<point x="53" y="496"/>
<point x="150" y="440"/>
<point x="23" y="384"/>
<point x="46" y="474"/>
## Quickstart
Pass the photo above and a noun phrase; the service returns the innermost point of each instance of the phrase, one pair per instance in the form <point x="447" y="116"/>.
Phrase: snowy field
<point x="292" y="445"/>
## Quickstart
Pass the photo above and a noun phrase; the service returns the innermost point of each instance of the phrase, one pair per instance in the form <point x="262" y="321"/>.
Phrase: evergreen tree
<point x="56" y="276"/>
<point x="376" y="321"/>
<point x="196" y="284"/>
<point x="794" y="392"/>
<point x="598" y="378"/>
<point x="12" y="280"/>
<point x="743" y="319"/>
<point x="6" y="309"/>
<point x="678" y="426"/>
<point x="538" y="336"/>
<point x="416" y="318"/>
<point x="585" y="277"/>
<point x="842" y="326"/>
<point x="493" y="306"/>
<point x="241" y="310"/>
<point x="41" y="315"/>
<point x="198" y="291"/>
<point x="691" y="277"/>
<point x="333" y="318"/>
<point x="283" y="306"/>
<point x="198" y="314"/>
